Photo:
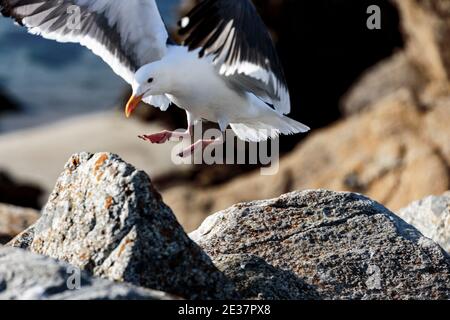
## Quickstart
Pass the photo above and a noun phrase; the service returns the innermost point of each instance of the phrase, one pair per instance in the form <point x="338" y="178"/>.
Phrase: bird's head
<point x="150" y="80"/>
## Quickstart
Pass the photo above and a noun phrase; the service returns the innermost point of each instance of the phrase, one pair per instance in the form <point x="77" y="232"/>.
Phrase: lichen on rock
<point x="338" y="246"/>
<point x="105" y="217"/>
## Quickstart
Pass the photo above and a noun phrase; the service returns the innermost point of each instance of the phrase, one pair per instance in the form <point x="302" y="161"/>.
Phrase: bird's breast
<point x="200" y="90"/>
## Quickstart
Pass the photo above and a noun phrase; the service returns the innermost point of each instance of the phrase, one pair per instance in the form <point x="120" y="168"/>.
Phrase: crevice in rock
<point x="320" y="225"/>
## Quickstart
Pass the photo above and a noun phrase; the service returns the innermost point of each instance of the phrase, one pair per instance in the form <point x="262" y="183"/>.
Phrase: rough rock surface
<point x="394" y="154"/>
<point x="27" y="276"/>
<point x="344" y="245"/>
<point x="105" y="217"/>
<point x="432" y="217"/>
<point x="256" y="279"/>
<point x="14" y="220"/>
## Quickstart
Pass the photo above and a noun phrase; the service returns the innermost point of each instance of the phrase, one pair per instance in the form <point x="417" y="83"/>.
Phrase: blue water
<point x="53" y="81"/>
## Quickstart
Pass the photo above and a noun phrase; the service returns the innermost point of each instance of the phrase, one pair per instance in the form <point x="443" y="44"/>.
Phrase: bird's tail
<point x="268" y="128"/>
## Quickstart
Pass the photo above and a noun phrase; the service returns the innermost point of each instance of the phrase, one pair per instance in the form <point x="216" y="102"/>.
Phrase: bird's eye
<point x="150" y="80"/>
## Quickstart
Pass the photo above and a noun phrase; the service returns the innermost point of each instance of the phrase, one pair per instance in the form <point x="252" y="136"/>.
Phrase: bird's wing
<point x="125" y="34"/>
<point x="233" y="33"/>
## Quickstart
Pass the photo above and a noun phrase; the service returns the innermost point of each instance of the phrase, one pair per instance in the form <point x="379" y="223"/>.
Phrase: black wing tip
<point x="185" y="26"/>
<point x="6" y="10"/>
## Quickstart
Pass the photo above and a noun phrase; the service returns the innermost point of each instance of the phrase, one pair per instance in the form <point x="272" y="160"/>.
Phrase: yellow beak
<point x="132" y="104"/>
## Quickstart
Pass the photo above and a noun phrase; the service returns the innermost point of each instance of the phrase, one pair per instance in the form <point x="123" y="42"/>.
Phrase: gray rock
<point x="28" y="276"/>
<point x="255" y="279"/>
<point x="432" y="217"/>
<point x="343" y="245"/>
<point x="105" y="217"/>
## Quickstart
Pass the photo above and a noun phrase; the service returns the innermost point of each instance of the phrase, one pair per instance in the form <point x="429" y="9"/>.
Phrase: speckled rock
<point x="27" y="276"/>
<point x="344" y="245"/>
<point x="14" y="220"/>
<point x="105" y="217"/>
<point x="255" y="279"/>
<point x="24" y="239"/>
<point x="432" y="217"/>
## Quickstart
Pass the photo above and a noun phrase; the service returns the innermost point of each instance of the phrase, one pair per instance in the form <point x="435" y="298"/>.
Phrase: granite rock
<point x="431" y="216"/>
<point x="256" y="279"/>
<point x="105" y="217"/>
<point x="28" y="276"/>
<point x="341" y="245"/>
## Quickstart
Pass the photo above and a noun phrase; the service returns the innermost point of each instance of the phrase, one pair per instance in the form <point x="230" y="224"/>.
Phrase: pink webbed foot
<point x="163" y="136"/>
<point x="159" y="138"/>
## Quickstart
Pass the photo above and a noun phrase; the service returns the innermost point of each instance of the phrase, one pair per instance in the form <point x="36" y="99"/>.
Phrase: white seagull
<point x="226" y="70"/>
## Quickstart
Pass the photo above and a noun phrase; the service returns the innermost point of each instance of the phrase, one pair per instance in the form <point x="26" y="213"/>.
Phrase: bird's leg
<point x="223" y="124"/>
<point x="164" y="136"/>
<point x="200" y="144"/>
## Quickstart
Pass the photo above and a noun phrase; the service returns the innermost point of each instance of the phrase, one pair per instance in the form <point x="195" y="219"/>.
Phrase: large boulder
<point x="13" y="220"/>
<point x="105" y="217"/>
<point x="333" y="245"/>
<point x="27" y="276"/>
<point x="431" y="216"/>
<point x="394" y="153"/>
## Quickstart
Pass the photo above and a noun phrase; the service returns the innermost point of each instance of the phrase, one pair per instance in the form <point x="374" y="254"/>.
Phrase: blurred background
<point x="377" y="101"/>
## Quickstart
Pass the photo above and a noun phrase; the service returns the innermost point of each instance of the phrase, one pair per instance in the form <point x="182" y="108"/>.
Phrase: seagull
<point x="226" y="70"/>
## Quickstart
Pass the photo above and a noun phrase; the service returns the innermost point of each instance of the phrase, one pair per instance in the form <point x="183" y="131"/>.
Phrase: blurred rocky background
<point x="377" y="101"/>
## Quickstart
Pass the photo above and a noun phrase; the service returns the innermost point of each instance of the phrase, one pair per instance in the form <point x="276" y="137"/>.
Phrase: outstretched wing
<point x="235" y="35"/>
<point x="125" y="34"/>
